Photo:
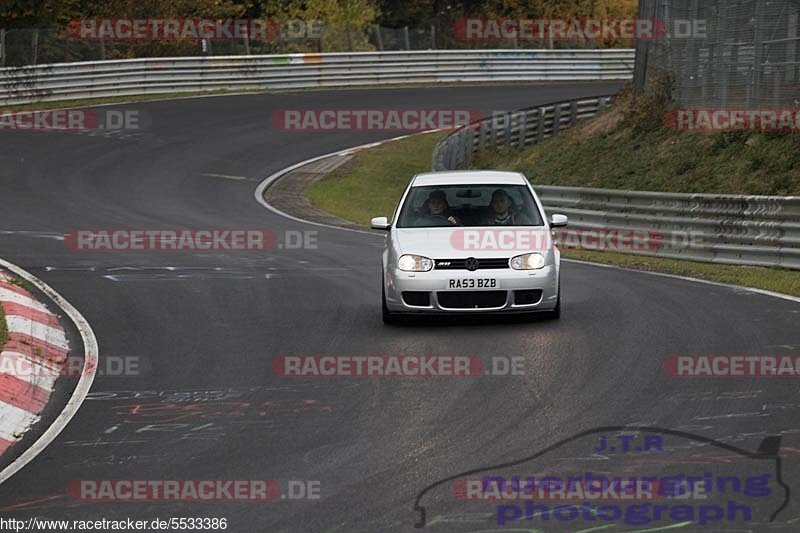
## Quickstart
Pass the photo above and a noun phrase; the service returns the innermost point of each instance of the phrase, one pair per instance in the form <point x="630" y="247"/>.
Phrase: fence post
<point x="462" y="152"/>
<point x="647" y="10"/>
<point x="507" y="119"/>
<point x="540" y="125"/>
<point x="349" y="34"/>
<point x="791" y="49"/>
<point x="35" y="47"/>
<point x="573" y="111"/>
<point x="556" y="119"/>
<point x="758" y="58"/>
<point x="433" y="37"/>
<point x="379" y="39"/>
<point x="692" y="69"/>
<point x="522" y="130"/>
<point x="405" y="37"/>
<point x="66" y="49"/>
<point x="495" y="129"/>
<point x="469" y="146"/>
<point x="776" y="89"/>
<point x="3" y="47"/>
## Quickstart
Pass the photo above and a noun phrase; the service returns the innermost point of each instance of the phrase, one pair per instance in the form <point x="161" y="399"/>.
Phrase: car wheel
<point x="388" y="318"/>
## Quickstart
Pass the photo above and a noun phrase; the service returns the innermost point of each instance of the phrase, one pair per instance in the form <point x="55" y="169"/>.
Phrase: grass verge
<point x="372" y="184"/>
<point x="640" y="153"/>
<point x="3" y="328"/>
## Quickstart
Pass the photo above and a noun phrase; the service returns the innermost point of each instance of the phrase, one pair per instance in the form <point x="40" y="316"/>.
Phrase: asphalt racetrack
<point x="207" y="324"/>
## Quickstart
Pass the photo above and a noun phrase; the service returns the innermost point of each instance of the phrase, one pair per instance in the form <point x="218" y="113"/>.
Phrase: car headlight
<point x="533" y="261"/>
<point x="414" y="263"/>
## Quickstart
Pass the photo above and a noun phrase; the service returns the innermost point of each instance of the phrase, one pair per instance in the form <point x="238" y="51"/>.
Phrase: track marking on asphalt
<point x="224" y="176"/>
<point x="121" y="278"/>
<point x="36" y="234"/>
<point x="70" y="269"/>
<point x="84" y="382"/>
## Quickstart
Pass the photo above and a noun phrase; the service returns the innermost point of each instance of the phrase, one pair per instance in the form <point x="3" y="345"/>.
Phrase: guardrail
<point x="514" y="128"/>
<point x="129" y="77"/>
<point x="729" y="229"/>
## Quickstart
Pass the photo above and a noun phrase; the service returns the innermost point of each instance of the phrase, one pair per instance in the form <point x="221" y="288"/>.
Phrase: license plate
<point x="471" y="283"/>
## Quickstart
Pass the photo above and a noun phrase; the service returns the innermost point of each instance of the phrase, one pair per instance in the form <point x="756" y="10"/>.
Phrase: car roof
<point x="468" y="177"/>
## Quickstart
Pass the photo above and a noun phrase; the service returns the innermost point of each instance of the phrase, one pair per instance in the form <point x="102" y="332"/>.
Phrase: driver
<point x="438" y="207"/>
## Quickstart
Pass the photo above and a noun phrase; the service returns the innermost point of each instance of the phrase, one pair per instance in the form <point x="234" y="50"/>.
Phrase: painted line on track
<point x="270" y="180"/>
<point x="763" y="292"/>
<point x="84" y="382"/>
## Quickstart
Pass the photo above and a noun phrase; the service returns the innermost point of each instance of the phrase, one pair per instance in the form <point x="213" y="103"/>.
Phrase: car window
<point x="469" y="205"/>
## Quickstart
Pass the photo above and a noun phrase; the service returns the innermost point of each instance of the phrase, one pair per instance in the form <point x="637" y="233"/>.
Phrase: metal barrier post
<point x="540" y="125"/>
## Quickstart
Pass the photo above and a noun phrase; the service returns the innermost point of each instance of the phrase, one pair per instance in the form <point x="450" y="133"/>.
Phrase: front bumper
<point x="436" y="282"/>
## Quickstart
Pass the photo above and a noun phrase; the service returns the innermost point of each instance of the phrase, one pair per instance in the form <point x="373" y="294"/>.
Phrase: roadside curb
<point x="32" y="361"/>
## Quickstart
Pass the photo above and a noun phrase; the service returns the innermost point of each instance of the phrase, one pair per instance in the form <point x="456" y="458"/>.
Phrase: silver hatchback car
<point x="470" y="242"/>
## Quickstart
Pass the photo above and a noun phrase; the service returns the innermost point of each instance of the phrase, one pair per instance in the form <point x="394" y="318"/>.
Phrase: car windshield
<point x="469" y="205"/>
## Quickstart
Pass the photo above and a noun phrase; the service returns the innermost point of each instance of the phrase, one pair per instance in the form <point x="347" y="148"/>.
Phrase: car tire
<point x="388" y="318"/>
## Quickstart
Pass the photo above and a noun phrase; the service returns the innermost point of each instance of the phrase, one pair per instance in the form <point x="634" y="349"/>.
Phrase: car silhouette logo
<point x="472" y="264"/>
<point x="765" y="462"/>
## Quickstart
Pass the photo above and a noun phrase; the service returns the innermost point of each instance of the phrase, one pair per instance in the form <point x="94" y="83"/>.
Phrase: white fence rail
<point x="740" y="230"/>
<point x="729" y="229"/>
<point x="129" y="77"/>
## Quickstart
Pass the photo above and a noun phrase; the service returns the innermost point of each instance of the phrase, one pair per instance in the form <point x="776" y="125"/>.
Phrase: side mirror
<point x="558" y="221"/>
<point x="381" y="223"/>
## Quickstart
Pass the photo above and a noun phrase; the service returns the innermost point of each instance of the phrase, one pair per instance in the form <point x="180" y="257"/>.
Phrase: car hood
<point x="460" y="243"/>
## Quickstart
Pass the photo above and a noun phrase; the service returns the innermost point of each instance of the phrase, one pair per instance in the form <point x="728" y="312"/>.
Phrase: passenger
<point x="501" y="210"/>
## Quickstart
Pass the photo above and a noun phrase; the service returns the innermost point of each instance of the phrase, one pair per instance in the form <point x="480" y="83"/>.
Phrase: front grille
<point x="460" y="264"/>
<point x="417" y="298"/>
<point x="471" y="299"/>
